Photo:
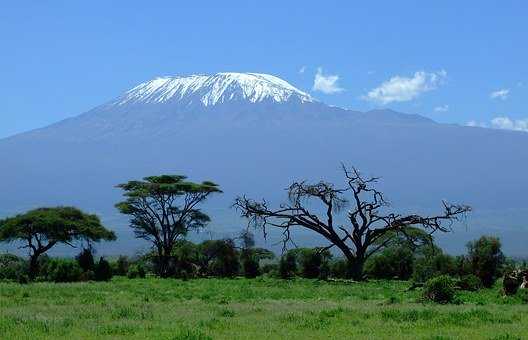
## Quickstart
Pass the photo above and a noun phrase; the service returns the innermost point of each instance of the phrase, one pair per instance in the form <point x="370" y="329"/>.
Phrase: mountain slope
<point x="254" y="134"/>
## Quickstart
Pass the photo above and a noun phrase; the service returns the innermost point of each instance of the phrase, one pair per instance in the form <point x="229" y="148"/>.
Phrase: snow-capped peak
<point x="214" y="89"/>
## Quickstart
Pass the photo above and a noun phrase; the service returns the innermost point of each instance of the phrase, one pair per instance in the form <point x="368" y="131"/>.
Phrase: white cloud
<point x="302" y="70"/>
<point x="500" y="94"/>
<point x="503" y="123"/>
<point x="443" y="108"/>
<point x="506" y="123"/>
<point x="326" y="83"/>
<point x="402" y="89"/>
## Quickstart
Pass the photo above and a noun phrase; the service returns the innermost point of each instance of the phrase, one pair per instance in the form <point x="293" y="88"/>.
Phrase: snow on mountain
<point x="210" y="90"/>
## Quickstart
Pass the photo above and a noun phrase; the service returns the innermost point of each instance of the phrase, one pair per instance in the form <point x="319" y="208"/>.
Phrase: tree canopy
<point x="164" y="209"/>
<point x="41" y="229"/>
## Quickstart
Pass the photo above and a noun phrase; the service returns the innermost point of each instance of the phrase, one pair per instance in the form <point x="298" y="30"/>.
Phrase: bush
<point x="85" y="259"/>
<point x="339" y="269"/>
<point x="136" y="271"/>
<point x="469" y="282"/>
<point x="12" y="267"/>
<point x="313" y="262"/>
<point x="103" y="271"/>
<point x="250" y="266"/>
<point x="433" y="264"/>
<point x="440" y="289"/>
<point x="121" y="266"/>
<point x="222" y="257"/>
<point x="486" y="259"/>
<point x="391" y="263"/>
<point x="287" y="265"/>
<point x="61" y="270"/>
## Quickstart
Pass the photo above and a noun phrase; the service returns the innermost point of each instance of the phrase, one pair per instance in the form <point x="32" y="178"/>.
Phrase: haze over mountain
<point x="255" y="133"/>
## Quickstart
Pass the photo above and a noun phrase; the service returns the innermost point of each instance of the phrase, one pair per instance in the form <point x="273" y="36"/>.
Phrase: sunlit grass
<point x="250" y="309"/>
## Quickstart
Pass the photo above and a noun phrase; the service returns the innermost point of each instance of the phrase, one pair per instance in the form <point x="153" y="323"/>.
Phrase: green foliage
<point x="469" y="282"/>
<point x="393" y="262"/>
<point x="60" y="224"/>
<point x="433" y="263"/>
<point x="223" y="258"/>
<point x="250" y="266"/>
<point x="136" y="271"/>
<point x="61" y="270"/>
<point x="486" y="258"/>
<point x="440" y="289"/>
<point x="163" y="209"/>
<point x="121" y="266"/>
<point x="313" y="262"/>
<point x="12" y="267"/>
<point x="288" y="265"/>
<point x="103" y="270"/>
<point x="86" y="260"/>
<point x="339" y="268"/>
<point x="41" y="229"/>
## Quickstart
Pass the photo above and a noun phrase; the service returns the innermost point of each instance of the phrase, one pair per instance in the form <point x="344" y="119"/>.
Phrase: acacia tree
<point x="41" y="229"/>
<point x="164" y="209"/>
<point x="369" y="223"/>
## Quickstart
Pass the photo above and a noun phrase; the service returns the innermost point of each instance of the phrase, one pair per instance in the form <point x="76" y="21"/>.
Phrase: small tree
<point x="288" y="265"/>
<point x="85" y="259"/>
<point x="163" y="210"/>
<point x="41" y="229"/>
<point x="486" y="259"/>
<point x="369" y="222"/>
<point x="103" y="271"/>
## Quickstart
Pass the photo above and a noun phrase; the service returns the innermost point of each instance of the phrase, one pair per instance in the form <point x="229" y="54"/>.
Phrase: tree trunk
<point x="33" y="266"/>
<point x="355" y="269"/>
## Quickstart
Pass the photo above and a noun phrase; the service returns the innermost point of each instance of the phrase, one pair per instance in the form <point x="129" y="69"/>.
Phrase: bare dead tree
<point x="369" y="222"/>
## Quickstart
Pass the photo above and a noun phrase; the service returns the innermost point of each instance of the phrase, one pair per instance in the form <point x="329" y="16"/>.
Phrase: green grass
<point x="251" y="309"/>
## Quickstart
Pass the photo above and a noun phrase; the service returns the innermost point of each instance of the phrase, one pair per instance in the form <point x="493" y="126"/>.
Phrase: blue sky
<point x="452" y="61"/>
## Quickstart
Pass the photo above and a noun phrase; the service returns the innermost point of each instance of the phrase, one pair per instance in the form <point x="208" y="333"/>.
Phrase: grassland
<point x="251" y="309"/>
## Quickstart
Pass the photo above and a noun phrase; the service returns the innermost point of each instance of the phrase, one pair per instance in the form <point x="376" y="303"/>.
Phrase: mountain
<point x="255" y="133"/>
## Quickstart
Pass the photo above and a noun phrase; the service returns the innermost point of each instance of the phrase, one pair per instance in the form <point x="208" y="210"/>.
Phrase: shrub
<point x="61" y="270"/>
<point x="287" y="265"/>
<point x="121" y="266"/>
<point x="85" y="259"/>
<point x="440" y="289"/>
<point x="433" y="264"/>
<point x="313" y="262"/>
<point x="103" y="271"/>
<point x="87" y="276"/>
<point x="250" y="266"/>
<point x="136" y="271"/>
<point x="486" y="259"/>
<point x="12" y="267"/>
<point x="222" y="257"/>
<point x="339" y="269"/>
<point x="391" y="263"/>
<point x="469" y="282"/>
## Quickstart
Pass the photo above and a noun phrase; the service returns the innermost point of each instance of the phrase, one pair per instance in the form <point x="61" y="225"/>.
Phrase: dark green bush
<point x="250" y="266"/>
<point x="440" y="289"/>
<point x="136" y="271"/>
<point x="61" y="270"/>
<point x="391" y="263"/>
<point x="339" y="269"/>
<point x="85" y="259"/>
<point x="12" y="267"/>
<point x="220" y="258"/>
<point x="121" y="266"/>
<point x="287" y="265"/>
<point x="433" y="264"/>
<point x="469" y="282"/>
<point x="103" y="271"/>
<point x="486" y="259"/>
